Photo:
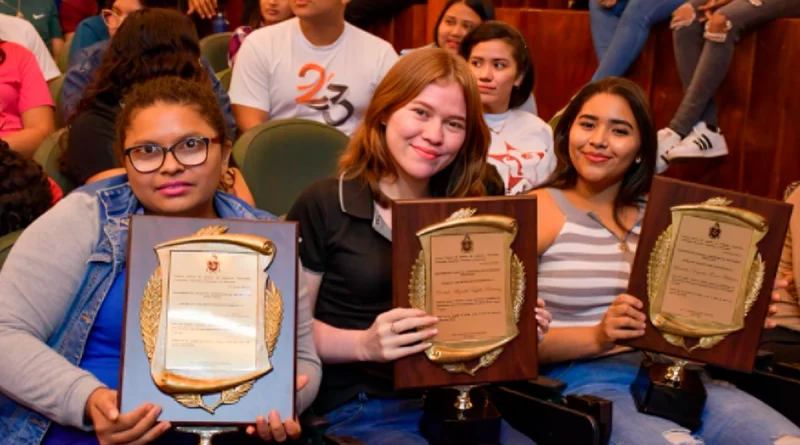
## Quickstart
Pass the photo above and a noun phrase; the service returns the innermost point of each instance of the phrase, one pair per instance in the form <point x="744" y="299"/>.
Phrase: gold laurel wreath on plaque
<point x="150" y="315"/>
<point x="417" y="297"/>
<point x="657" y="268"/>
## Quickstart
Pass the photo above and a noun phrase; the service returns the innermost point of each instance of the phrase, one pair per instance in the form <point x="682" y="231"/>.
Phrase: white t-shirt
<point x="22" y="32"/>
<point x="277" y="70"/>
<point x="521" y="149"/>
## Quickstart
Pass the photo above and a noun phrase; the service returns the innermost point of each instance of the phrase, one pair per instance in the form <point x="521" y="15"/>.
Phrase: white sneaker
<point x="666" y="140"/>
<point x="700" y="143"/>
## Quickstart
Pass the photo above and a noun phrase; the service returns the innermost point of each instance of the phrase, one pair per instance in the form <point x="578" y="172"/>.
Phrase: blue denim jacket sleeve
<point x="90" y="31"/>
<point x="78" y="77"/>
<point x="222" y="97"/>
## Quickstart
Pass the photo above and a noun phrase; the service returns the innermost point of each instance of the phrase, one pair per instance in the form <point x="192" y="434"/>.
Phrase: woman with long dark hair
<point x="257" y="14"/>
<point x="606" y="146"/>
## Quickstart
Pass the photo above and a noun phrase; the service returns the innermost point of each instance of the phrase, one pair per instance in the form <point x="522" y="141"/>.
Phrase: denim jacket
<point x="22" y="426"/>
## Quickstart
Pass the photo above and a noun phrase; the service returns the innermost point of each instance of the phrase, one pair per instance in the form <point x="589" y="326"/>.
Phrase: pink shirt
<point x="22" y="87"/>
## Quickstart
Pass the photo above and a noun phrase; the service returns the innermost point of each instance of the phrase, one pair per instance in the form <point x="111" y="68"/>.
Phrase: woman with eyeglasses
<point x="151" y="43"/>
<point x="26" y="108"/>
<point x="62" y="286"/>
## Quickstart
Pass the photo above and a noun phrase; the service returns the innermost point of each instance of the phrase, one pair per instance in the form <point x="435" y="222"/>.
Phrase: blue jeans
<point x="730" y="417"/>
<point x="619" y="33"/>
<point x="393" y="421"/>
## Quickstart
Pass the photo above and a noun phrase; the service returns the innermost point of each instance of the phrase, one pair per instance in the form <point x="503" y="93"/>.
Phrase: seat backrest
<point x="280" y="158"/>
<point x="55" y="86"/>
<point x="215" y="49"/>
<point x="48" y="155"/>
<point x="224" y="77"/>
<point x="6" y="243"/>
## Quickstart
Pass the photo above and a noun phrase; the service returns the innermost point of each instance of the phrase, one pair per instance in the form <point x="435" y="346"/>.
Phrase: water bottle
<point x="219" y="23"/>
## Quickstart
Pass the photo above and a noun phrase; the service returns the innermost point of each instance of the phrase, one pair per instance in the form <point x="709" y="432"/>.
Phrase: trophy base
<point x="443" y="423"/>
<point x="681" y="402"/>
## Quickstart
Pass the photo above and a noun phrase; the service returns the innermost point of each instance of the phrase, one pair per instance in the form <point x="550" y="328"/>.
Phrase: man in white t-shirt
<point x="20" y="31"/>
<point x="315" y="66"/>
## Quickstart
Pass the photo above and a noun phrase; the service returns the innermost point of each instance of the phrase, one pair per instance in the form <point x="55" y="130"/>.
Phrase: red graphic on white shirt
<point x="324" y="103"/>
<point x="514" y="159"/>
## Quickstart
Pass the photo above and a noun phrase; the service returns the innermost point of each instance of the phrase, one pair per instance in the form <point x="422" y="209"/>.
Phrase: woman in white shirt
<point x="522" y="144"/>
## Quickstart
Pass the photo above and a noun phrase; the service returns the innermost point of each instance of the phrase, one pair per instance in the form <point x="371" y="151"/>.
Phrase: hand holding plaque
<point x="700" y="270"/>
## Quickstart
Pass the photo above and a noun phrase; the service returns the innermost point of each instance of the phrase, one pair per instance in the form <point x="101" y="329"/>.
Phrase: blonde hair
<point x="367" y="156"/>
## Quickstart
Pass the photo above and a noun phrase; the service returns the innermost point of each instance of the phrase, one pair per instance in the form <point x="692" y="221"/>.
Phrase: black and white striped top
<point x="586" y="267"/>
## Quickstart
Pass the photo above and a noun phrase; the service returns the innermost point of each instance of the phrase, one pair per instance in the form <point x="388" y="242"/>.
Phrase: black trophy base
<point x="444" y="424"/>
<point x="681" y="402"/>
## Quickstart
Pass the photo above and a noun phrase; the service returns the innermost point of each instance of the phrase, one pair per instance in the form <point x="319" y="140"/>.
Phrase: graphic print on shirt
<point x="332" y="101"/>
<point x="517" y="168"/>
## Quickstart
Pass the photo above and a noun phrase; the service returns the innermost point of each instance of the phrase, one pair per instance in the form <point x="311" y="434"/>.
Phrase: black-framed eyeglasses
<point x="189" y="152"/>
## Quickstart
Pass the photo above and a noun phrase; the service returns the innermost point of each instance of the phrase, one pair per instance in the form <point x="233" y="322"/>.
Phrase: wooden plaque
<point x="415" y="223"/>
<point x="209" y="331"/>
<point x="702" y="270"/>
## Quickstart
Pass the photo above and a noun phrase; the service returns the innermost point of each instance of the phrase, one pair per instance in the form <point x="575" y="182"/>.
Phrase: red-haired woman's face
<point x="425" y="135"/>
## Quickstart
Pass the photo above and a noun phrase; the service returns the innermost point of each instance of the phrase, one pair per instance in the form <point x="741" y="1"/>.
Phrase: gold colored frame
<point x="675" y="329"/>
<point x="189" y="391"/>
<point x="453" y="356"/>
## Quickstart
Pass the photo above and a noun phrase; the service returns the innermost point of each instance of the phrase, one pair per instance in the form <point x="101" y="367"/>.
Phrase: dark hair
<point x="24" y="190"/>
<point x="484" y="9"/>
<point x="251" y="13"/>
<point x="176" y="91"/>
<point x="494" y="30"/>
<point x="2" y="52"/>
<point x="150" y="43"/>
<point x="639" y="177"/>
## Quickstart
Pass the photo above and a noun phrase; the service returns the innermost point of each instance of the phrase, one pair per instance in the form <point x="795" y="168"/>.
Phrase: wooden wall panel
<point x="406" y="30"/>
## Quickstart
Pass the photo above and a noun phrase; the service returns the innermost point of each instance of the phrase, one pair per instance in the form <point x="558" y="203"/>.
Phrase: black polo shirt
<point x="343" y="238"/>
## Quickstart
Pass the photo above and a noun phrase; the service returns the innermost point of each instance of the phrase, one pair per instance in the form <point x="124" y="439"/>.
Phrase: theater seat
<point x="6" y="243"/>
<point x="280" y="158"/>
<point x="215" y="49"/>
<point x="224" y="77"/>
<point x="48" y="155"/>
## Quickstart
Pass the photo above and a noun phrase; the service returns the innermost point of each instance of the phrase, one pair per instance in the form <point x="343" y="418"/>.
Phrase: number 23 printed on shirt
<point x="335" y="110"/>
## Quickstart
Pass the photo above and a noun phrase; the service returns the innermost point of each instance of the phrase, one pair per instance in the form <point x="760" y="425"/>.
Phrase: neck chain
<point x="500" y="128"/>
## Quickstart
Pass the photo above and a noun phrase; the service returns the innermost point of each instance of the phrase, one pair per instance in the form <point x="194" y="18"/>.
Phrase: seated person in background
<point x="82" y="71"/>
<point x="43" y="15"/>
<point x="427" y="112"/>
<point x="606" y="149"/>
<point x="257" y="14"/>
<point x="62" y="286"/>
<point x="90" y="31"/>
<point x="151" y="43"/>
<point x="522" y="144"/>
<point x="620" y="29"/>
<point x="26" y="108"/>
<point x="705" y="35"/>
<point x="784" y="340"/>
<point x="315" y="66"/>
<point x="17" y="30"/>
<point x="25" y="191"/>
<point x="72" y="12"/>
<point x="457" y="19"/>
<point x="365" y="13"/>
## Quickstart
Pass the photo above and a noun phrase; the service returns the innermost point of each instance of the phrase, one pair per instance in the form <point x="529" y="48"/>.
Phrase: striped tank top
<point x="586" y="267"/>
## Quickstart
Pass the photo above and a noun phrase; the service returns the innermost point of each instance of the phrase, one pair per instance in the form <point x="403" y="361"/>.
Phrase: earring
<point x="638" y="159"/>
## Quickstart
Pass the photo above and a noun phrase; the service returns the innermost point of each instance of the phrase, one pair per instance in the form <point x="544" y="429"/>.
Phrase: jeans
<point x="392" y="422"/>
<point x="619" y="33"/>
<point x="702" y="64"/>
<point x="730" y="417"/>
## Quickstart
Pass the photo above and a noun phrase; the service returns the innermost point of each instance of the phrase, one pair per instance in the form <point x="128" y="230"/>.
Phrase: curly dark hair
<point x="24" y="190"/>
<point x="151" y="42"/>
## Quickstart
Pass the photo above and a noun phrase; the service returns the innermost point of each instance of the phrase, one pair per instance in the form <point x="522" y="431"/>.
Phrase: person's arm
<point x="37" y="124"/>
<point x="308" y="362"/>
<point x="57" y="45"/>
<point x="57" y="40"/>
<point x="206" y="9"/>
<point x="38" y="283"/>
<point x="249" y="90"/>
<point x="34" y="43"/>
